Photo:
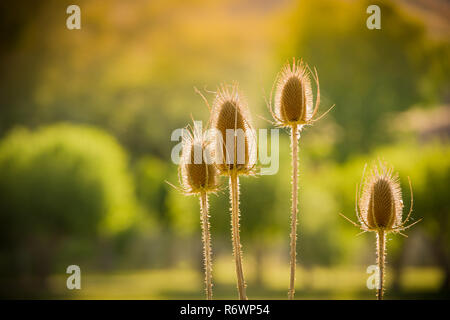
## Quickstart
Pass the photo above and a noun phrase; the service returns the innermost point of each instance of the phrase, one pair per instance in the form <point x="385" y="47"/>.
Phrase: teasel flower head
<point x="294" y="105"/>
<point x="234" y="133"/>
<point x="197" y="172"/>
<point x="379" y="205"/>
<point x="379" y="209"/>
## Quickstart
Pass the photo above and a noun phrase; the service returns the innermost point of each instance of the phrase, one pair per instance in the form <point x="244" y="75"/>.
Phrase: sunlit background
<point x="85" y="123"/>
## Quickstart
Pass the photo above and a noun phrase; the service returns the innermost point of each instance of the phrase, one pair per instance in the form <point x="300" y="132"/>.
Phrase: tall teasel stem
<point x="294" y="107"/>
<point x="237" y="250"/>
<point x="206" y="237"/>
<point x="294" y="142"/>
<point x="199" y="177"/>
<point x="381" y="254"/>
<point x="236" y="155"/>
<point x="379" y="209"/>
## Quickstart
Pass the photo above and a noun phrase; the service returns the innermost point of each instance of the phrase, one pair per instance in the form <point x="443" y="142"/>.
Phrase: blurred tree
<point x="368" y="74"/>
<point x="151" y="190"/>
<point x="57" y="183"/>
<point x="260" y="221"/>
<point x="432" y="202"/>
<point x="164" y="203"/>
<point x="132" y="73"/>
<point x="428" y="166"/>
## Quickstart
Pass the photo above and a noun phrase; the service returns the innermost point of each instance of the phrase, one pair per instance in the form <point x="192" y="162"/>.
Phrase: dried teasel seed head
<point x="381" y="202"/>
<point x="380" y="207"/>
<point x="197" y="170"/>
<point x="293" y="95"/>
<point x="235" y="137"/>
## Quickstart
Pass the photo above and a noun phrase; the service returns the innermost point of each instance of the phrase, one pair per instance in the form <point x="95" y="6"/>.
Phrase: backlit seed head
<point x="293" y="105"/>
<point x="197" y="170"/>
<point x="381" y="202"/>
<point x="380" y="206"/>
<point x="235" y="137"/>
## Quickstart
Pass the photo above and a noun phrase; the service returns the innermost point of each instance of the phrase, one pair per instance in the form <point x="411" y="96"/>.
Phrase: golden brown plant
<point x="231" y="120"/>
<point x="379" y="209"/>
<point x="294" y="108"/>
<point x="198" y="176"/>
<point x="235" y="156"/>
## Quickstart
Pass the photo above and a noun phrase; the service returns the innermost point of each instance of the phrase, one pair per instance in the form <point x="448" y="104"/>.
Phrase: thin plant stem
<point x="294" y="146"/>
<point x="237" y="249"/>
<point x="206" y="237"/>
<point x="381" y="253"/>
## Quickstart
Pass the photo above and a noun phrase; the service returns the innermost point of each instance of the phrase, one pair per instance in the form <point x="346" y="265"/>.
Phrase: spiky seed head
<point x="235" y="137"/>
<point x="197" y="170"/>
<point x="293" y="96"/>
<point x="381" y="202"/>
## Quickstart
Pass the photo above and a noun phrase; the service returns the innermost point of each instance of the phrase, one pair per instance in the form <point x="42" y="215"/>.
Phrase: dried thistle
<point x="231" y="120"/>
<point x="294" y="105"/>
<point x="198" y="176"/>
<point x="294" y="108"/>
<point x="198" y="173"/>
<point x="379" y="209"/>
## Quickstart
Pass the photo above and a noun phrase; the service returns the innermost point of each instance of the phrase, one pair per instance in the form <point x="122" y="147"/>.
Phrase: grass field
<point x="187" y="283"/>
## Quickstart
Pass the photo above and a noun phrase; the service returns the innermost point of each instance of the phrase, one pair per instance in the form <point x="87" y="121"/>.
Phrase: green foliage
<point x="259" y="219"/>
<point x="59" y="182"/>
<point x="429" y="170"/>
<point x="172" y="209"/>
<point x="183" y="213"/>
<point x="428" y="166"/>
<point x="368" y="74"/>
<point x="431" y="192"/>
<point x="152" y="192"/>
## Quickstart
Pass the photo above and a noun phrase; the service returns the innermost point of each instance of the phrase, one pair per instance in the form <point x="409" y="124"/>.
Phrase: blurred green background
<point x="85" y="123"/>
